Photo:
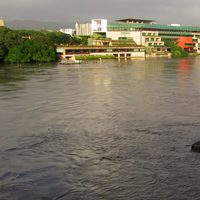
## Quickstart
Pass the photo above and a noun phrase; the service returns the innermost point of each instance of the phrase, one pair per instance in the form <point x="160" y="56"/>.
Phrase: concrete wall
<point x="83" y="29"/>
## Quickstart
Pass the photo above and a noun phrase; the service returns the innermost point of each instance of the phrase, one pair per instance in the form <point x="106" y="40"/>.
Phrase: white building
<point x="96" y="26"/>
<point x="68" y="31"/>
<point x="83" y="29"/>
<point x="99" y="25"/>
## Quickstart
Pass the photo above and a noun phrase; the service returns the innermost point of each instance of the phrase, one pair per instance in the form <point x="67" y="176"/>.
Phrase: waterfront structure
<point x="140" y="32"/>
<point x="68" y="31"/>
<point x="123" y="52"/>
<point x="109" y="36"/>
<point x="143" y="32"/>
<point x="1" y="22"/>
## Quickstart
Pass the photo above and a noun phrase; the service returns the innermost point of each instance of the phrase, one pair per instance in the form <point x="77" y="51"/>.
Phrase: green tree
<point x="14" y="55"/>
<point x="176" y="51"/>
<point x="80" y="40"/>
<point x="59" y="37"/>
<point x="23" y="46"/>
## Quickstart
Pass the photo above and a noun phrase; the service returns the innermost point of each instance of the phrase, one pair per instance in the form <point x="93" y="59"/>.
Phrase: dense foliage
<point x="80" y="40"/>
<point x="177" y="52"/>
<point x="24" y="46"/>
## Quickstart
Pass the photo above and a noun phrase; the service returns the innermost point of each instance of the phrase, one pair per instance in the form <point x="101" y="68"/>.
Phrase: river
<point x="100" y="131"/>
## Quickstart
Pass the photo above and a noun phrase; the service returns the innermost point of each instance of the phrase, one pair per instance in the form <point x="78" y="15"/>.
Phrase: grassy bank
<point x="94" y="57"/>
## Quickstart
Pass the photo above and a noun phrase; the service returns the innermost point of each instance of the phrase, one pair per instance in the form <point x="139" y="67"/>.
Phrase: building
<point x="187" y="43"/>
<point x="70" y="52"/>
<point x="117" y="34"/>
<point x="136" y="21"/>
<point x="68" y="31"/>
<point x="151" y="34"/>
<point x="142" y="32"/>
<point x="99" y="25"/>
<point x="96" y="26"/>
<point x="135" y="29"/>
<point x="83" y="29"/>
<point x="1" y="22"/>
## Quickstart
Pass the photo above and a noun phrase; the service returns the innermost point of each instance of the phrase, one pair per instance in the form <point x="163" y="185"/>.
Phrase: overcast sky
<point x="185" y="12"/>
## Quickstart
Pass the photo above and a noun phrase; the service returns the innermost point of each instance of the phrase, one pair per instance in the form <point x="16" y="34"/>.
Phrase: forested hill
<point x="24" y="46"/>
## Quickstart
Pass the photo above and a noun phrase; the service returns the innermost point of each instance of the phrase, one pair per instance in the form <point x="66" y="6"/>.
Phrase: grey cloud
<point x="171" y="11"/>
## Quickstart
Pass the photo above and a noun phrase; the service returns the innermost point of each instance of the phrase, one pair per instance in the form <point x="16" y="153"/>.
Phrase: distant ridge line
<point x="37" y="25"/>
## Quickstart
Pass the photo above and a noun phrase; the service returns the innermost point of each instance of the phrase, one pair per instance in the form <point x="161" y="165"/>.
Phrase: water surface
<point x="110" y="131"/>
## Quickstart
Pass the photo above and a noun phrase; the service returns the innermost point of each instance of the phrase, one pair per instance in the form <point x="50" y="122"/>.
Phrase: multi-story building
<point x="142" y="32"/>
<point x="150" y="34"/>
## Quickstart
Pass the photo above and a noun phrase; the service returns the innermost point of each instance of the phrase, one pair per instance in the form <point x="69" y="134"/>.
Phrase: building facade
<point x="70" y="52"/>
<point x="88" y="29"/>
<point x="99" y="25"/>
<point x="83" y="29"/>
<point x="140" y="32"/>
<point x="150" y="34"/>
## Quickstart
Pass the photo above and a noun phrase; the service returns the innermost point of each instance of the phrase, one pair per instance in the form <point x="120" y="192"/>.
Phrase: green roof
<point x="128" y="27"/>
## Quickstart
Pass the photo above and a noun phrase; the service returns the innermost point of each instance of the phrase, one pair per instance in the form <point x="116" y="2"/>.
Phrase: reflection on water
<point x="115" y="130"/>
<point x="10" y="73"/>
<point x="185" y="67"/>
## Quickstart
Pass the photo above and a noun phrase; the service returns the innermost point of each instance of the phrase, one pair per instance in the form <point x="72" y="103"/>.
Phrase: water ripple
<point x="112" y="131"/>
